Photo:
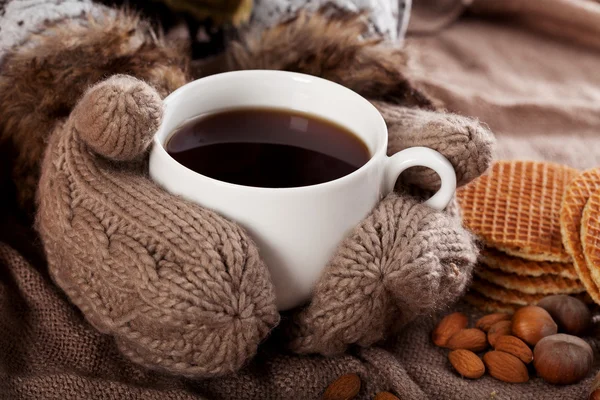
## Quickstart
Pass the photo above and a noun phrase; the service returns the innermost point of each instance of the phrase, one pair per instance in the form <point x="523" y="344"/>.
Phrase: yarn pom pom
<point x="118" y="117"/>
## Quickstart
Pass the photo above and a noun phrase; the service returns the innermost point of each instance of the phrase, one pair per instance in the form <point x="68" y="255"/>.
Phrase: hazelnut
<point x="532" y="323"/>
<point x="562" y="359"/>
<point x="570" y="314"/>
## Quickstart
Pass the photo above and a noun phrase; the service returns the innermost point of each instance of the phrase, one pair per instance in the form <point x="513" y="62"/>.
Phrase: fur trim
<point x="331" y="45"/>
<point x="41" y="82"/>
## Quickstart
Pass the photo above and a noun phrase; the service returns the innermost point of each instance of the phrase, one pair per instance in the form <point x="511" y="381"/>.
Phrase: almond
<point x="466" y="363"/>
<point x="485" y="323"/>
<point x="345" y="387"/>
<point x="501" y="328"/>
<point x="515" y="346"/>
<point x="447" y="327"/>
<point x="385" y="396"/>
<point x="505" y="367"/>
<point x="468" y="339"/>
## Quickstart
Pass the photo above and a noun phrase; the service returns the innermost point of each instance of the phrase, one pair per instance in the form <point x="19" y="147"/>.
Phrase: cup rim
<point x="158" y="145"/>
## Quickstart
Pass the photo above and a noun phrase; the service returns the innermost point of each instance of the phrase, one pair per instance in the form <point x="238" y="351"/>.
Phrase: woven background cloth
<point x="49" y="352"/>
<point x="540" y="94"/>
<point x="537" y="88"/>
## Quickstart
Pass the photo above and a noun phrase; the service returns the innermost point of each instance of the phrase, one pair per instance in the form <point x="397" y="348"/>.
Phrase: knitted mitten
<point x="179" y="287"/>
<point x="404" y="259"/>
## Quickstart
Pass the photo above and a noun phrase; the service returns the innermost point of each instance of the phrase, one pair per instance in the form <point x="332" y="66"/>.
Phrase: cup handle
<point x="425" y="157"/>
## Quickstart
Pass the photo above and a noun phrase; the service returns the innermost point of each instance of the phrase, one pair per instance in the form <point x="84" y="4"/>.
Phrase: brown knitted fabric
<point x="182" y="289"/>
<point x="464" y="141"/>
<point x="203" y="301"/>
<point x="48" y="351"/>
<point x="117" y="118"/>
<point x="403" y="260"/>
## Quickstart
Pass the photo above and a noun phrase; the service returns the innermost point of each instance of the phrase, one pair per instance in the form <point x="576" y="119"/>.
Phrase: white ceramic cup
<point x="296" y="229"/>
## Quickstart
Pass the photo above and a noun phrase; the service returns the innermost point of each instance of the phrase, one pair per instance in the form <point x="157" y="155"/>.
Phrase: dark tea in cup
<point x="267" y="147"/>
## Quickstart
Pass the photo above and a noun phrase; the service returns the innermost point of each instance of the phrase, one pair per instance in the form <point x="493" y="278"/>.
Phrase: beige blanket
<point x="535" y="84"/>
<point x="539" y="93"/>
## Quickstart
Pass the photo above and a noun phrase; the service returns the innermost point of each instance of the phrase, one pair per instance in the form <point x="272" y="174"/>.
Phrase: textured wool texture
<point x="180" y="288"/>
<point x="465" y="142"/>
<point x="203" y="301"/>
<point x="402" y="261"/>
<point x="50" y="351"/>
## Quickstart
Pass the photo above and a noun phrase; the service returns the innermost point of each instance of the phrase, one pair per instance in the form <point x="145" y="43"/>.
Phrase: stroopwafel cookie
<point x="571" y="213"/>
<point x="496" y="259"/>
<point x="590" y="235"/>
<point x="545" y="284"/>
<point x="516" y="208"/>
<point x="508" y="296"/>
<point x="488" y="305"/>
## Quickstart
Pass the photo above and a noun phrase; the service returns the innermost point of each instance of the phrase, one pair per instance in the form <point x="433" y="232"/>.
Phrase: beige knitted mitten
<point x="404" y="259"/>
<point x="184" y="290"/>
<point x="179" y="287"/>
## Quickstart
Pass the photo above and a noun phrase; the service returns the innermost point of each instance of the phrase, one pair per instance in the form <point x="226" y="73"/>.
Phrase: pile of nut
<point x="558" y="358"/>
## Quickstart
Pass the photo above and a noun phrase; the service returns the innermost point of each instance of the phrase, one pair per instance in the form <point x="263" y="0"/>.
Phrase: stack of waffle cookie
<point x="523" y="211"/>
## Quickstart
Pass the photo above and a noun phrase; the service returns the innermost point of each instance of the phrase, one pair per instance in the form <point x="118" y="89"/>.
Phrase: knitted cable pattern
<point x="181" y="288"/>
<point x="184" y="290"/>
<point x="403" y="260"/>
